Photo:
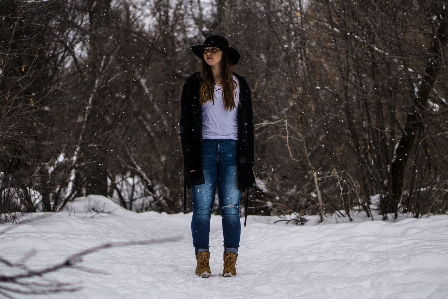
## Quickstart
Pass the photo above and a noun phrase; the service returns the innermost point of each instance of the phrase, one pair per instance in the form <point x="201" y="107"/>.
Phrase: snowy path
<point x="371" y="259"/>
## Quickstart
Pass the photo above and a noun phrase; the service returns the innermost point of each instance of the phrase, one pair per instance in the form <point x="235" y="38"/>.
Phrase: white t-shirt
<point x="217" y="122"/>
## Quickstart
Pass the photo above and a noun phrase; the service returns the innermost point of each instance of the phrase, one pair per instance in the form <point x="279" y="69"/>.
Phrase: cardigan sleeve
<point x="186" y="123"/>
<point x="250" y="126"/>
<point x="249" y="117"/>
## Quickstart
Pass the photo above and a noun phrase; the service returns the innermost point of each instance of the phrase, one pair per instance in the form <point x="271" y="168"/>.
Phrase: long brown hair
<point x="208" y="82"/>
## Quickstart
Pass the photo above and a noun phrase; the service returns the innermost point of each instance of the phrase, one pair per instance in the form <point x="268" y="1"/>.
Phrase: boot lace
<point x="202" y="261"/>
<point x="230" y="261"/>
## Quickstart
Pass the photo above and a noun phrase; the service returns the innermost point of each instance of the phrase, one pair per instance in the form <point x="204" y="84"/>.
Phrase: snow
<point x="433" y="106"/>
<point x="361" y="259"/>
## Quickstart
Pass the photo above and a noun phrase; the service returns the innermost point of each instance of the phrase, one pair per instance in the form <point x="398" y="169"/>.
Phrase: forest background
<point x="350" y="101"/>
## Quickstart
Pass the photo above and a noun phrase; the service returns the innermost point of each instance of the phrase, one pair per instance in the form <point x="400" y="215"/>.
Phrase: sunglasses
<point x="212" y="50"/>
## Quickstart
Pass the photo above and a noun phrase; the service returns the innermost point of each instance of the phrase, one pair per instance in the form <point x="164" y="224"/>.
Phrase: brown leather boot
<point x="229" y="264"/>
<point x="203" y="266"/>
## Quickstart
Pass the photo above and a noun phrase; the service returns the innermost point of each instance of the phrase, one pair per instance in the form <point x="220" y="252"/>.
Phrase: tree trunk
<point x="95" y="167"/>
<point x="415" y="118"/>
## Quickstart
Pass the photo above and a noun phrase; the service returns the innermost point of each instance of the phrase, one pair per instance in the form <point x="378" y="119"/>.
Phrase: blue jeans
<point x="220" y="170"/>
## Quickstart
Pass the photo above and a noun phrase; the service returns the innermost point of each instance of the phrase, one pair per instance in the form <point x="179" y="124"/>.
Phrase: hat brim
<point x="234" y="55"/>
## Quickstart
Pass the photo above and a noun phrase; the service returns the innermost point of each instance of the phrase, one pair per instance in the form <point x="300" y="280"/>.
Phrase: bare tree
<point x="27" y="79"/>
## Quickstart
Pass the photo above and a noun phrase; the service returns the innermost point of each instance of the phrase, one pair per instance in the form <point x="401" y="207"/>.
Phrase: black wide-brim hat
<point x="217" y="41"/>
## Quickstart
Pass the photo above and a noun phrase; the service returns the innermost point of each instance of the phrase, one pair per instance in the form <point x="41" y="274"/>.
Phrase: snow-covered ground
<point x="362" y="259"/>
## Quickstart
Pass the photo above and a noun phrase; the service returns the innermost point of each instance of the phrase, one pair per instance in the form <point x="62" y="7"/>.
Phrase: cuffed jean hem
<point x="231" y="250"/>
<point x="199" y="250"/>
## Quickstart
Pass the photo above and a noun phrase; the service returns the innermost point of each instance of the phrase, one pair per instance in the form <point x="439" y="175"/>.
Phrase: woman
<point x="217" y="136"/>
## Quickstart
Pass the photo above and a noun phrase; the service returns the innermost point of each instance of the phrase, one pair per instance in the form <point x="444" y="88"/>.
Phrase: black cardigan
<point x="191" y="133"/>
